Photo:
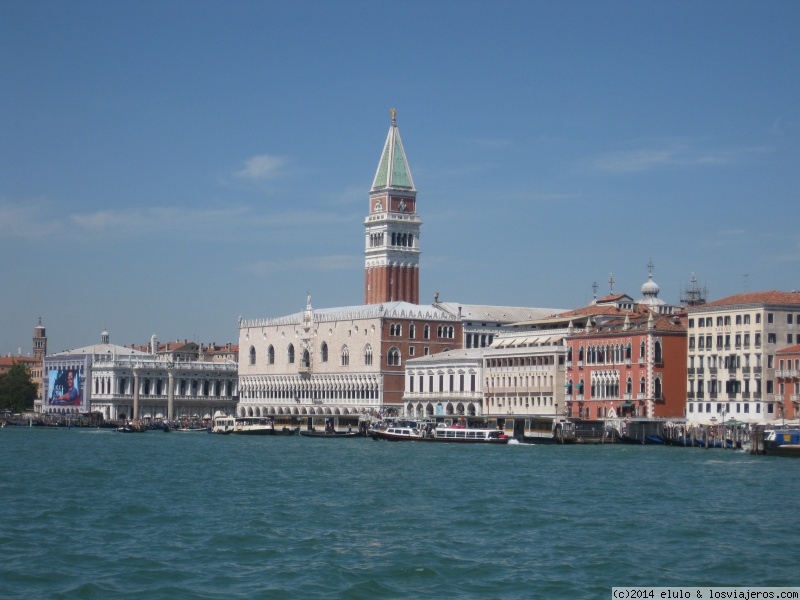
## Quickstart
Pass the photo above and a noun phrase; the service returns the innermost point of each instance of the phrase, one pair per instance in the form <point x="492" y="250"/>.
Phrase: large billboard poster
<point x="66" y="387"/>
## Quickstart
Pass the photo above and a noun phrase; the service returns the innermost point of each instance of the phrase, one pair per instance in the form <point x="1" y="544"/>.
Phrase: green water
<point x="97" y="514"/>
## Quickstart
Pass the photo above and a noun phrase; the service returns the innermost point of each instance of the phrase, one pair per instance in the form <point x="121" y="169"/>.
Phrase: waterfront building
<point x="524" y="372"/>
<point x="732" y="349"/>
<point x="444" y="384"/>
<point x="629" y="358"/>
<point x="787" y="382"/>
<point x="630" y="366"/>
<point x="482" y="323"/>
<point x="346" y="360"/>
<point x="350" y="360"/>
<point x="123" y="383"/>
<point x="456" y="382"/>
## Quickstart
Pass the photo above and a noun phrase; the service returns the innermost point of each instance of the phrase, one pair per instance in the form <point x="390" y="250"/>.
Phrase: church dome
<point x="650" y="288"/>
<point x="650" y="293"/>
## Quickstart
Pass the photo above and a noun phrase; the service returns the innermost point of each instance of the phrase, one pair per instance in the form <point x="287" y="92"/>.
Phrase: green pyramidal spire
<point x="393" y="171"/>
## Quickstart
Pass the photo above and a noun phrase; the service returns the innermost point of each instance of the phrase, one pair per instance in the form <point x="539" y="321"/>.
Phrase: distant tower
<point x="392" y="228"/>
<point x="39" y="352"/>
<point x="39" y="341"/>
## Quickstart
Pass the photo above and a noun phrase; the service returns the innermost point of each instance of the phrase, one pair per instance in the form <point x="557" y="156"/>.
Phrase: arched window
<point x="629" y="386"/>
<point x="270" y="355"/>
<point x="412" y="331"/>
<point x="393" y="358"/>
<point x="657" y="390"/>
<point x="324" y="352"/>
<point x="252" y="355"/>
<point x="641" y="385"/>
<point x="426" y="332"/>
<point x="306" y="360"/>
<point x="368" y="355"/>
<point x="641" y="350"/>
<point x="345" y="356"/>
<point x="657" y="353"/>
<point x="290" y="354"/>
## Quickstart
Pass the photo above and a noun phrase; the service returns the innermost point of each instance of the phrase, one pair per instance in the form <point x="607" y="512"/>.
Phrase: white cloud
<point x="333" y="262"/>
<point x="28" y="219"/>
<point x="261" y="167"/>
<point x="672" y="154"/>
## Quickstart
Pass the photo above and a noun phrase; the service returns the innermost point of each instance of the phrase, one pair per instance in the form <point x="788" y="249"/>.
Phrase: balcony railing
<point x="745" y="370"/>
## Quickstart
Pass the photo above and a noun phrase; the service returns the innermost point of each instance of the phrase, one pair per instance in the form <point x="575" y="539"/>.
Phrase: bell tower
<point x="392" y="228"/>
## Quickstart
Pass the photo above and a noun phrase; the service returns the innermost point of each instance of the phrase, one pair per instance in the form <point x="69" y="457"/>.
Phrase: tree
<point x="17" y="391"/>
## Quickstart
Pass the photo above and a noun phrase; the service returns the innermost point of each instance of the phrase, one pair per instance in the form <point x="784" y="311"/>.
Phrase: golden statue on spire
<point x="393" y="112"/>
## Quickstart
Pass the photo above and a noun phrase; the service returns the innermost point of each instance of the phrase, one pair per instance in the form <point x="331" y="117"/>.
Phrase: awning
<point x="626" y="405"/>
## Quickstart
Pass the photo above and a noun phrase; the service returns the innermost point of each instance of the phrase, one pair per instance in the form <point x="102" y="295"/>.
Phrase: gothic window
<point x="345" y="356"/>
<point x="657" y="352"/>
<point x="393" y="358"/>
<point x="657" y="391"/>
<point x="412" y="331"/>
<point x="290" y="354"/>
<point x="426" y="332"/>
<point x="252" y="355"/>
<point x="270" y="355"/>
<point x="368" y="355"/>
<point x="641" y="385"/>
<point x="629" y="386"/>
<point x="395" y="330"/>
<point x="324" y="352"/>
<point x="306" y="360"/>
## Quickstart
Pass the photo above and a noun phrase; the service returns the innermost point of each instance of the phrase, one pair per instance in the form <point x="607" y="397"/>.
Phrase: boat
<point x="782" y="442"/>
<point x="460" y="435"/>
<point x="330" y="434"/>
<point x="287" y="424"/>
<point x="131" y="428"/>
<point x="223" y="425"/>
<point x="253" y="426"/>
<point x="540" y="430"/>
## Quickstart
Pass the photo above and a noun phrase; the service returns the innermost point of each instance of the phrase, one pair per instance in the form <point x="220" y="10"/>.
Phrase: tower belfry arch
<point x="392" y="228"/>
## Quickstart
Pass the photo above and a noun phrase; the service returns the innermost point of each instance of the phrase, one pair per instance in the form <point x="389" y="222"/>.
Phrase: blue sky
<point x="166" y="166"/>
